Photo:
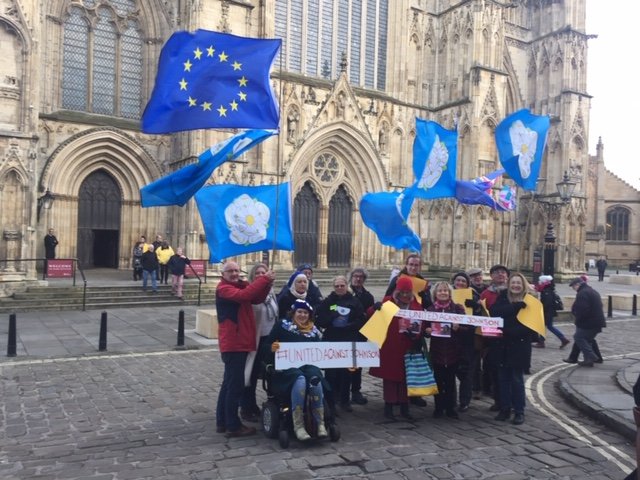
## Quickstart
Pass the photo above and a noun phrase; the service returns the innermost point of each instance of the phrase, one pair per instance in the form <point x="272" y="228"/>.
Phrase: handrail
<point x="84" y="288"/>
<point x="199" y="282"/>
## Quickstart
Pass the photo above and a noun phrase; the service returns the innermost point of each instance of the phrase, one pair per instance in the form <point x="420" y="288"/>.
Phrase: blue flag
<point x="479" y="191"/>
<point x="521" y="138"/>
<point x="435" y="150"/>
<point x="178" y="187"/>
<point x="386" y="214"/>
<point x="212" y="80"/>
<point x="239" y="219"/>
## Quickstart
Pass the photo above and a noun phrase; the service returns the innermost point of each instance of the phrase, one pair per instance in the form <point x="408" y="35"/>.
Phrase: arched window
<point x="102" y="59"/>
<point x="618" y="224"/>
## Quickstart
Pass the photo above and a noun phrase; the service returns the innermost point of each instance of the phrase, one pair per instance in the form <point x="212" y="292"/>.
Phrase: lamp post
<point x="45" y="201"/>
<point x="565" y="191"/>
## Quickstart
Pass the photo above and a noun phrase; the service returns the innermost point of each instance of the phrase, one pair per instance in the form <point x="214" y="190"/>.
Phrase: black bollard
<point x="634" y="306"/>
<point x="610" y="307"/>
<point x="181" y="328"/>
<point x="102" y="343"/>
<point x="11" y="341"/>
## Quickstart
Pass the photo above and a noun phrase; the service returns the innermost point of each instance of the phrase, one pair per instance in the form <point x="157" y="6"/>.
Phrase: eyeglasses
<point x="231" y="271"/>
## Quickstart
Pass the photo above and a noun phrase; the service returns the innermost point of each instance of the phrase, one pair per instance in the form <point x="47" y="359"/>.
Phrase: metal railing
<point x="199" y="281"/>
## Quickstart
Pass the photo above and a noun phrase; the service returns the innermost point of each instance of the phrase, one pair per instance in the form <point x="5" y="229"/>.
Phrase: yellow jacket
<point x="164" y="254"/>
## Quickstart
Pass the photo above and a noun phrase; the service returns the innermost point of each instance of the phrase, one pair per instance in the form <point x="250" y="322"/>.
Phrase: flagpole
<point x="278" y="162"/>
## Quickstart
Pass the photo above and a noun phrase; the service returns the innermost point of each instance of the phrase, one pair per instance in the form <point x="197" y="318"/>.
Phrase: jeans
<point x="584" y="338"/>
<point x="231" y="390"/>
<point x="575" y="351"/>
<point x="154" y="280"/>
<point x="511" y="388"/>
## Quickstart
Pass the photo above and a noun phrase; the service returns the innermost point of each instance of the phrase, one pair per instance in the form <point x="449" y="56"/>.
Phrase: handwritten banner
<point x="327" y="355"/>
<point x="476" y="321"/>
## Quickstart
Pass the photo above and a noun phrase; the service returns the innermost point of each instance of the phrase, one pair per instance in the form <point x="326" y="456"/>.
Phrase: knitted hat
<point x="305" y="266"/>
<point x="463" y="275"/>
<point x="545" y="279"/>
<point x="404" y="284"/>
<point x="301" y="305"/>
<point x="293" y="277"/>
<point x="576" y="281"/>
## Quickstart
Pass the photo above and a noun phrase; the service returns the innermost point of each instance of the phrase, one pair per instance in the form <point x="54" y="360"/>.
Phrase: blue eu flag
<point x="521" y="138"/>
<point x="212" y="80"/>
<point x="479" y="191"/>
<point x="239" y="219"/>
<point x="178" y="187"/>
<point x="386" y="214"/>
<point x="435" y="150"/>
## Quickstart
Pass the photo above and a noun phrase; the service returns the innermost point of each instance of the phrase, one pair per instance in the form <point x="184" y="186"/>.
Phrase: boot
<point x="388" y="411"/>
<point x="298" y="425"/>
<point x="564" y="342"/>
<point x="538" y="345"/>
<point x="318" y="416"/>
<point x="404" y="411"/>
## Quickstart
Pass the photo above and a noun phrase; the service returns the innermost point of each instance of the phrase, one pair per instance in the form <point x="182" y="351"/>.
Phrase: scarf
<point x="300" y="296"/>
<point x="309" y="331"/>
<point x="442" y="306"/>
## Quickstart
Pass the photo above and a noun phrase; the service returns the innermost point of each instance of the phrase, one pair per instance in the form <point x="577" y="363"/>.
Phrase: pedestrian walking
<point x="177" y="265"/>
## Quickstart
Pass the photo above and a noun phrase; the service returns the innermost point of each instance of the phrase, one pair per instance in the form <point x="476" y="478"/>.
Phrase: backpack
<point x="557" y="302"/>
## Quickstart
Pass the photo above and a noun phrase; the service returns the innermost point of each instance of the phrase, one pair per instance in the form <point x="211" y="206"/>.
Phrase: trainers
<point x="564" y="342"/>
<point x="518" y="419"/>
<point x="418" y="401"/>
<point x="243" y="431"/>
<point x="358" y="398"/>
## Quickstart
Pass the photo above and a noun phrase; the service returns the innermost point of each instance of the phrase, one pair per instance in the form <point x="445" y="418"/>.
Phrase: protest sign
<point x="473" y="320"/>
<point x="327" y="355"/>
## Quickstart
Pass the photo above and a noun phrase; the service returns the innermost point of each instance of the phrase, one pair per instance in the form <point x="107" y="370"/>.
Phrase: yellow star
<point x="243" y="96"/>
<point x="234" y="105"/>
<point x="198" y="53"/>
<point x="192" y="102"/>
<point x="206" y="106"/>
<point x="222" y="111"/>
<point x="187" y="66"/>
<point x="183" y="84"/>
<point x="210" y="51"/>
<point x="237" y="65"/>
<point x="223" y="57"/>
<point x="243" y="81"/>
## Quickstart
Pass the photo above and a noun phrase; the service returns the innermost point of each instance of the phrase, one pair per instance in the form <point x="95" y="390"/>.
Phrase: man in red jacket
<point x="236" y="338"/>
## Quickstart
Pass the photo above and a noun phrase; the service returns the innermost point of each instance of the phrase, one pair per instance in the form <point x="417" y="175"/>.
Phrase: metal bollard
<point x="634" y="306"/>
<point x="11" y="341"/>
<point x="181" y="328"/>
<point x="610" y="307"/>
<point x="102" y="343"/>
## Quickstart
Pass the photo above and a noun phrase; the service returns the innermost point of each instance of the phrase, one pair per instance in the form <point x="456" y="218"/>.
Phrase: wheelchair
<point x="276" y="418"/>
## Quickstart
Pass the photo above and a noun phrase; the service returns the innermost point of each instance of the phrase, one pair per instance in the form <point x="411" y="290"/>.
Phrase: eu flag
<point x="479" y="191"/>
<point x="386" y="214"/>
<point x="212" y="80"/>
<point x="521" y="138"/>
<point x="238" y="219"/>
<point x="178" y="187"/>
<point x="435" y="150"/>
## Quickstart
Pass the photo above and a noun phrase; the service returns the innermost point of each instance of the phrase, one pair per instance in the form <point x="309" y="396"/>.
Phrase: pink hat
<point x="404" y="283"/>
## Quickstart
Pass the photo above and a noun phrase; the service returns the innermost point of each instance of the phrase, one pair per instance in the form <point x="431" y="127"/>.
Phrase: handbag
<point x="420" y="379"/>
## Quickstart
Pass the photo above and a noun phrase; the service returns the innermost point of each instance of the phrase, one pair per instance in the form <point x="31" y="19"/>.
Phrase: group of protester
<point x="155" y="261"/>
<point x="254" y="321"/>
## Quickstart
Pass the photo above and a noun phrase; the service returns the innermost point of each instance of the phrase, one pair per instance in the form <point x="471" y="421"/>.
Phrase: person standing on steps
<point x="601" y="265"/>
<point x="150" y="269"/>
<point x="50" y="243"/>
<point x="177" y="265"/>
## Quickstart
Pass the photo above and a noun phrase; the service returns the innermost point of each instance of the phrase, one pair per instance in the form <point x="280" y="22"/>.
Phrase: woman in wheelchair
<point x="305" y="380"/>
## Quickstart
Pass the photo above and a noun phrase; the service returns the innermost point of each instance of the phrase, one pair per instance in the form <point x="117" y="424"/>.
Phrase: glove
<point x="275" y="346"/>
<point x="377" y="305"/>
<point x="519" y="305"/>
<point x="470" y="303"/>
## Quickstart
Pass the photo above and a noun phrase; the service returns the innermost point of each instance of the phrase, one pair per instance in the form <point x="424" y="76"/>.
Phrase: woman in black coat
<point x="513" y="349"/>
<point x="341" y="316"/>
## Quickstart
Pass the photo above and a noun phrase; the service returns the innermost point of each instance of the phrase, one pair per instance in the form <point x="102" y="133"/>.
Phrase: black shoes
<point x="346" y="407"/>
<point x="494" y="408"/>
<point x="585" y="364"/>
<point x="503" y="416"/>
<point x="418" y="401"/>
<point x="438" y="414"/>
<point x="518" y="419"/>
<point x="243" y="431"/>
<point x="358" y="398"/>
<point x="452" y="414"/>
<point x="463" y="408"/>
<point x="569" y="360"/>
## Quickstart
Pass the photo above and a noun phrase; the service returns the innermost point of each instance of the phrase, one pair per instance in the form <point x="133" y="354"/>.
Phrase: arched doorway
<point x="340" y="231"/>
<point x="99" y="205"/>
<point x="306" y="209"/>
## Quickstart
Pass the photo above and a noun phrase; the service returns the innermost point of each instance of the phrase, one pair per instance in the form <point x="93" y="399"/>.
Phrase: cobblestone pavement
<point x="150" y="415"/>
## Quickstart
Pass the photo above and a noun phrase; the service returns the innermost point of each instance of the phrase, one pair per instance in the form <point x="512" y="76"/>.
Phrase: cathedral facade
<point x="351" y="77"/>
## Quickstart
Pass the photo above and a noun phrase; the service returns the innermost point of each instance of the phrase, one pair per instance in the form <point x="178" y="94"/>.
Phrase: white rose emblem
<point x="524" y="142"/>
<point x="435" y="165"/>
<point x="247" y="220"/>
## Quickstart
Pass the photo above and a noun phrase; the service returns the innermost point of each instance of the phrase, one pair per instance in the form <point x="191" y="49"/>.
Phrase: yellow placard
<point x="419" y="286"/>
<point x="460" y="295"/>
<point x="533" y="315"/>
<point x="376" y="328"/>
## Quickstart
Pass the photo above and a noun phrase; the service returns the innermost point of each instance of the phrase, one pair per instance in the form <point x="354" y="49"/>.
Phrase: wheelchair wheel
<point x="283" y="438"/>
<point x="270" y="419"/>
<point x="334" y="432"/>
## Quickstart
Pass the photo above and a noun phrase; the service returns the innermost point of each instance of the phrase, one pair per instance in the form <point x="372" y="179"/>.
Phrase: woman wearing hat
<point x="297" y="288"/>
<point x="299" y="327"/>
<point x="391" y="369"/>
<point x="551" y="303"/>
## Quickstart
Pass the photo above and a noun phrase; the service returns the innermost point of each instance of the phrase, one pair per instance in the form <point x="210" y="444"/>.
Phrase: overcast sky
<point x="613" y="82"/>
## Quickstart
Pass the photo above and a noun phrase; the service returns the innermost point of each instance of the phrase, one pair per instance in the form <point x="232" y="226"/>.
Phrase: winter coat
<point x="149" y="261"/>
<point x="236" y="321"/>
<point x="448" y="351"/>
<point x="164" y="255"/>
<point x="395" y="346"/>
<point x="425" y="295"/>
<point x="548" y="299"/>
<point x="177" y="264"/>
<point x="513" y="349"/>
<point x="341" y="318"/>
<point x="365" y="297"/>
<point x="587" y="309"/>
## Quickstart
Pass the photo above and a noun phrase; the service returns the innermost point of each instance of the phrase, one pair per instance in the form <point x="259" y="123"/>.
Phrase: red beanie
<point x="404" y="283"/>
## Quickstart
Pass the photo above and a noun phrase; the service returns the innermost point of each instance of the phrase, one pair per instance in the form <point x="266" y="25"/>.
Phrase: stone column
<point x="13" y="242"/>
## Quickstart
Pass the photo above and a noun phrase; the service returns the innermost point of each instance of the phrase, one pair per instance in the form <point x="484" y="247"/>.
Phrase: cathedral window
<point x="102" y="58"/>
<point x="618" y="224"/>
<point x="315" y="34"/>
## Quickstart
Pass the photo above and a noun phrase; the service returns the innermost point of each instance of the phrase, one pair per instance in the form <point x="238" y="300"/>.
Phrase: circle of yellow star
<point x="243" y="96"/>
<point x="192" y="102"/>
<point x="222" y="111"/>
<point x="198" y="53"/>
<point x="187" y="66"/>
<point x="236" y="65"/>
<point x="243" y="81"/>
<point x="234" y="105"/>
<point x="223" y="57"/>
<point x="210" y="51"/>
<point x="206" y="106"/>
<point x="183" y="84"/>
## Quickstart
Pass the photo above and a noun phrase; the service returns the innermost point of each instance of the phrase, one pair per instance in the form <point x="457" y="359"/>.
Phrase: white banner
<point x="474" y="320"/>
<point x="327" y="354"/>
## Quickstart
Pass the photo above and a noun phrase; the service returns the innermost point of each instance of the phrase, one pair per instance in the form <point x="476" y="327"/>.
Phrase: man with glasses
<point x="236" y="338"/>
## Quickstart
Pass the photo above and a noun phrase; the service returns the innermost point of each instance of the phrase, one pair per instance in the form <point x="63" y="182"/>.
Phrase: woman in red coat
<point x="391" y="369"/>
